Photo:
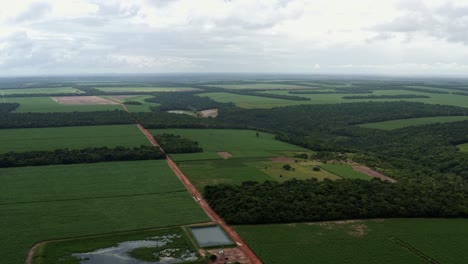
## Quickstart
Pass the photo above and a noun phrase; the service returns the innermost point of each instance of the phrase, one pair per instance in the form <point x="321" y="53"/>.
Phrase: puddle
<point x="208" y="236"/>
<point x="119" y="254"/>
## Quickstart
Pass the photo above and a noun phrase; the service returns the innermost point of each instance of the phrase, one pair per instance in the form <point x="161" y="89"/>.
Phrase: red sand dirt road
<point x="203" y="204"/>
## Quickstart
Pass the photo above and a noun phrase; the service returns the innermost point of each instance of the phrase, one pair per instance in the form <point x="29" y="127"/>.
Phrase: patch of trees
<point x="187" y="101"/>
<point x="74" y="156"/>
<point x="133" y="103"/>
<point x="173" y="144"/>
<point x="333" y="92"/>
<point x="8" y="107"/>
<point x="311" y="200"/>
<point x="30" y="120"/>
<point x="393" y="96"/>
<point x="460" y="93"/>
<point x="425" y="90"/>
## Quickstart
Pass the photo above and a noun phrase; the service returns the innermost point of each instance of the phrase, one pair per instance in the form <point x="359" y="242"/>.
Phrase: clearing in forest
<point x="82" y="100"/>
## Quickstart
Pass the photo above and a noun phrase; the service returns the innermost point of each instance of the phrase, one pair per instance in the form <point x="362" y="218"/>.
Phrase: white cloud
<point x="101" y="36"/>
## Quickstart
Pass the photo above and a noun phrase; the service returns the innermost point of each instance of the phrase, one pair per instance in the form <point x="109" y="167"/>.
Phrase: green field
<point x="463" y="147"/>
<point x="266" y="86"/>
<point x="46" y="104"/>
<point x="118" y="89"/>
<point x="248" y="101"/>
<point x="144" y="107"/>
<point x="45" y="90"/>
<point x="345" y="171"/>
<point x="402" y="241"/>
<point x="50" y="138"/>
<point x="53" y="202"/>
<point x="401" y="123"/>
<point x="239" y="143"/>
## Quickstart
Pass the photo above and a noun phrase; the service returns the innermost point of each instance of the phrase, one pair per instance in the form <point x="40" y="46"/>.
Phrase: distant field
<point x="401" y="123"/>
<point x="405" y="241"/>
<point x="248" y="101"/>
<point x="463" y="147"/>
<point x="266" y="86"/>
<point x="52" y="202"/>
<point x="46" y="104"/>
<point x="144" y="107"/>
<point x="345" y="171"/>
<point x="29" y="139"/>
<point x="45" y="90"/>
<point x="239" y="143"/>
<point x="145" y="89"/>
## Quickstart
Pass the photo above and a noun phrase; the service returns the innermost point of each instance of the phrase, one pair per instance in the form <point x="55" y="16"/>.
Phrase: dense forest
<point x="393" y="96"/>
<point x="29" y="120"/>
<point x="311" y="200"/>
<point x="73" y="156"/>
<point x="173" y="144"/>
<point x="8" y="107"/>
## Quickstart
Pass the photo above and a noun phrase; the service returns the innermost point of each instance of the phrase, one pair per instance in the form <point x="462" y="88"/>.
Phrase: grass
<point x="45" y="90"/>
<point x="363" y="242"/>
<point x="29" y="139"/>
<point x="240" y="143"/>
<point x="248" y="101"/>
<point x="463" y="147"/>
<point x="61" y="251"/>
<point x="269" y="86"/>
<point x="401" y="123"/>
<point x="344" y="170"/>
<point x="46" y="104"/>
<point x="144" y="107"/>
<point x="55" y="202"/>
<point x="299" y="170"/>
<point x="117" y="89"/>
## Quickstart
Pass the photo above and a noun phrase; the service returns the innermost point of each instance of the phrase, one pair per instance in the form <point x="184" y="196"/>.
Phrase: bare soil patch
<point x="82" y="100"/>
<point x="225" y="155"/>
<point x="358" y="230"/>
<point x="372" y="173"/>
<point x="208" y="113"/>
<point x="229" y="255"/>
<point x="282" y="159"/>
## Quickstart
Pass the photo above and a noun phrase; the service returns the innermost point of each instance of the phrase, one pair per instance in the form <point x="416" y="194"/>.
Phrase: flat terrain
<point x="345" y="171"/>
<point x="53" y="202"/>
<point x="401" y="123"/>
<point x="144" y="107"/>
<point x="45" y="90"/>
<point x="118" y="89"/>
<point x="463" y="147"/>
<point x="47" y="104"/>
<point x="239" y="143"/>
<point x="266" y="86"/>
<point x="29" y="139"/>
<point x="402" y="241"/>
<point x="82" y="100"/>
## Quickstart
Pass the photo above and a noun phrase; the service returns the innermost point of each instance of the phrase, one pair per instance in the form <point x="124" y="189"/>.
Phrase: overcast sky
<point x="297" y="36"/>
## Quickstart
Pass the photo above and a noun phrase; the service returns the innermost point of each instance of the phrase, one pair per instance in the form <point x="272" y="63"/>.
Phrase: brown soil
<point x="358" y="230"/>
<point x="208" y="113"/>
<point x="82" y="100"/>
<point x="225" y="155"/>
<point x="282" y="159"/>
<point x="229" y="255"/>
<point x="372" y="173"/>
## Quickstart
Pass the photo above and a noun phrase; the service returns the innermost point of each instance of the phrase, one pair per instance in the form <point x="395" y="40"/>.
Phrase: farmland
<point x="463" y="147"/>
<point x="47" y="104"/>
<point x="29" y="139"/>
<point x="401" y="123"/>
<point x="266" y="86"/>
<point x="373" y="241"/>
<point x="119" y="89"/>
<point x="55" y="202"/>
<point x="344" y="170"/>
<point x="45" y="90"/>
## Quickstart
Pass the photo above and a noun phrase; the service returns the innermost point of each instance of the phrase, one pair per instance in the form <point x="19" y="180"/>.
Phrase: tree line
<point x="74" y="156"/>
<point x="8" y="107"/>
<point x="173" y="144"/>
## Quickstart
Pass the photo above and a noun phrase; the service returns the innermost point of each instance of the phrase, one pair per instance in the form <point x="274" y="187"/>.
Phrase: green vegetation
<point x="60" y="252"/>
<point x="8" y="107"/>
<point x="143" y="106"/>
<point x="54" y="202"/>
<point x="401" y="123"/>
<point x="463" y="147"/>
<point x="177" y="144"/>
<point x="30" y="139"/>
<point x="120" y="89"/>
<point x="249" y="101"/>
<point x="239" y="143"/>
<point x="45" y="90"/>
<point x="405" y="241"/>
<point x="263" y="86"/>
<point x="344" y="170"/>
<point x="46" y="105"/>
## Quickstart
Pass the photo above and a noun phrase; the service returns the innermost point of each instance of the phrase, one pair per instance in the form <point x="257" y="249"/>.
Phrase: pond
<point x="209" y="236"/>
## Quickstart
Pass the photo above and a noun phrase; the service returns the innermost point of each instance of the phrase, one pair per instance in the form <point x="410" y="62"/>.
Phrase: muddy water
<point x="119" y="254"/>
<point x="210" y="236"/>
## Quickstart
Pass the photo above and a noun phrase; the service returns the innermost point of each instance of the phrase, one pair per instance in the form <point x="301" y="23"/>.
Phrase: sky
<point x="383" y="37"/>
